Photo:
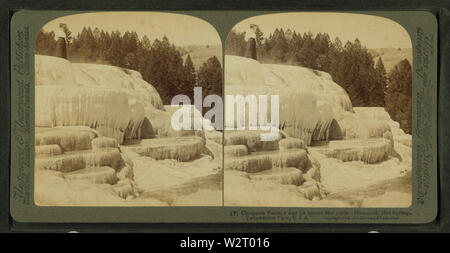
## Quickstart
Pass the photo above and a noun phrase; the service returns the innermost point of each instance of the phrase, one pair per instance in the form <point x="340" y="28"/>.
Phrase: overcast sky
<point x="182" y="30"/>
<point x="372" y="31"/>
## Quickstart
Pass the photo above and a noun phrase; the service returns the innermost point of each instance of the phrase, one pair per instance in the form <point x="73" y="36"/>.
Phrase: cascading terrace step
<point x="182" y="149"/>
<point x="77" y="160"/>
<point x="96" y="175"/>
<point x="366" y="150"/>
<point x="261" y="161"/>
<point x="250" y="138"/>
<point x="288" y="175"/>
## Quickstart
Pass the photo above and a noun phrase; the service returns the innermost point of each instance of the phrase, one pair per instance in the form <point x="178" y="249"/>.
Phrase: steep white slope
<point x="126" y="80"/>
<point x="312" y="106"/>
<point x="57" y="71"/>
<point x="247" y="76"/>
<point x="378" y="113"/>
<point x="112" y="100"/>
<point x="309" y="99"/>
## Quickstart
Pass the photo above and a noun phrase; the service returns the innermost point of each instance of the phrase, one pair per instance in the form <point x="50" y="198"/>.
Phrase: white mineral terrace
<point x="104" y="138"/>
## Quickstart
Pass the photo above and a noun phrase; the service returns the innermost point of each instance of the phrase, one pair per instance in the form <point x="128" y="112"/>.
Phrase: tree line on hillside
<point x="159" y="61"/>
<point x="350" y="65"/>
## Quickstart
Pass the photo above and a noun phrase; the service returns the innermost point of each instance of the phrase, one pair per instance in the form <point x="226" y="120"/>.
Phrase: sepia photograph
<point x="104" y="83"/>
<point x="337" y="90"/>
<point x="317" y="111"/>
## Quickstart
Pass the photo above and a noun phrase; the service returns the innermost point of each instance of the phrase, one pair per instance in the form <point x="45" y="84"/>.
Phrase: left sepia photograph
<point x="104" y="111"/>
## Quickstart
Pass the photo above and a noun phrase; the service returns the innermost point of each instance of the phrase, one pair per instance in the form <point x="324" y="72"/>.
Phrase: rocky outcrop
<point x="78" y="154"/>
<point x="109" y="99"/>
<point x="308" y="98"/>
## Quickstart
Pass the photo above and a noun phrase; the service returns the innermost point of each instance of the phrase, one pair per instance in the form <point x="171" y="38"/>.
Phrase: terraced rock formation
<point x="103" y="137"/>
<point x="325" y="146"/>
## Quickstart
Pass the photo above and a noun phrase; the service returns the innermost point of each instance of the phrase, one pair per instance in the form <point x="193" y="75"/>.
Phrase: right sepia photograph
<point x="337" y="88"/>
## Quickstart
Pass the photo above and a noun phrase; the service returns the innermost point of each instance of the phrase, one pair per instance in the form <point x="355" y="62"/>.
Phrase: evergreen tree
<point x="45" y="43"/>
<point x="190" y="78"/>
<point x="165" y="69"/>
<point x="114" y="53"/>
<point x="278" y="46"/>
<point x="104" y="43"/>
<point x="289" y="34"/>
<point x="235" y="43"/>
<point x="146" y="44"/>
<point x="381" y="72"/>
<point x="210" y="77"/>
<point x="398" y="97"/>
<point x="306" y="57"/>
<point x="86" y="47"/>
<point x="129" y="48"/>
<point x="295" y="43"/>
<point x="334" y="56"/>
<point x="322" y="47"/>
<point x="142" y="54"/>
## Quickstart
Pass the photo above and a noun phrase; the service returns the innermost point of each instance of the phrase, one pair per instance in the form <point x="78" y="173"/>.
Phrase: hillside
<point x="391" y="56"/>
<point x="199" y="53"/>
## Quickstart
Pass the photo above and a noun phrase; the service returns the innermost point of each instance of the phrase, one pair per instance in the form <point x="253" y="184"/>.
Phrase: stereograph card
<point x="224" y="117"/>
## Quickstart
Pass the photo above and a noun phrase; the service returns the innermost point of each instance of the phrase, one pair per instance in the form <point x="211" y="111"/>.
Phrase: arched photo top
<point x="373" y="31"/>
<point x="191" y="35"/>
<point x="381" y="36"/>
<point x="333" y="95"/>
<point x="108" y="79"/>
